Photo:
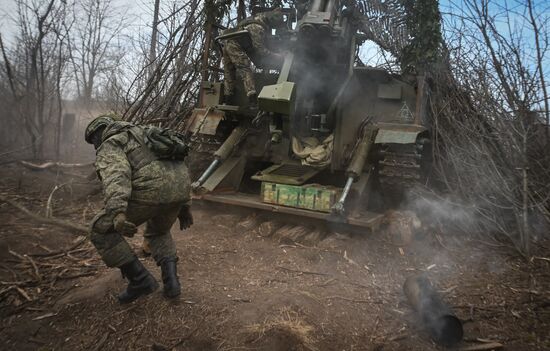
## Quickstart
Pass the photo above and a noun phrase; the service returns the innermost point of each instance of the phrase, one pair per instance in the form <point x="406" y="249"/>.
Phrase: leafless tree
<point x="167" y="91"/>
<point x="154" y="36"/>
<point x="491" y="145"/>
<point x="34" y="67"/>
<point x="94" y="43"/>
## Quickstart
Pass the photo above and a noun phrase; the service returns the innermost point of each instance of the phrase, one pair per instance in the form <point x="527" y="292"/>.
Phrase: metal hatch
<point x="292" y="174"/>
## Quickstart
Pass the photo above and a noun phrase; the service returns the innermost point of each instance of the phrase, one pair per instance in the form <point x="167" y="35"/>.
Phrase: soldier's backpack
<point x="166" y="144"/>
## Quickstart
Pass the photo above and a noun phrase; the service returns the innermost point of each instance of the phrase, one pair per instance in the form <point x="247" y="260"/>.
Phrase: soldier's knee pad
<point x="97" y="238"/>
<point x="102" y="223"/>
<point x="105" y="241"/>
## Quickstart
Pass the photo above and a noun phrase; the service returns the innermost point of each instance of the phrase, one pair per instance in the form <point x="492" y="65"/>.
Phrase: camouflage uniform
<point x="146" y="189"/>
<point x="235" y="59"/>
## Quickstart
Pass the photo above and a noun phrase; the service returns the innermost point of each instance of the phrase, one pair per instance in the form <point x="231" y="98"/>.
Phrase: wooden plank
<point x="368" y="220"/>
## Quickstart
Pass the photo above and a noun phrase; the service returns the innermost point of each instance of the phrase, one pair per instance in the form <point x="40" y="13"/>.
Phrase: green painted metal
<point x="211" y="93"/>
<point x="390" y="91"/>
<point x="293" y="174"/>
<point x="395" y="137"/>
<point x="393" y="133"/>
<point x="278" y="98"/>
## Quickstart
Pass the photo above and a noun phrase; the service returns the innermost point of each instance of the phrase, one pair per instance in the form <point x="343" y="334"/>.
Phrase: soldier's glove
<point x="185" y="217"/>
<point x="123" y="226"/>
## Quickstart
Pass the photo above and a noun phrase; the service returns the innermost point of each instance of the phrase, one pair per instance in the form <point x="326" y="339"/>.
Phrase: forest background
<point x="487" y="61"/>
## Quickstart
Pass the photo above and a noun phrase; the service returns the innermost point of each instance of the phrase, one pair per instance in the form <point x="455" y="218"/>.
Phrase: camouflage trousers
<point x="113" y="248"/>
<point x="236" y="61"/>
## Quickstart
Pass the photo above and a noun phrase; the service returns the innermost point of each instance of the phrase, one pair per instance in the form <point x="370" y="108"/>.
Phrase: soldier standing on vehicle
<point x="140" y="184"/>
<point x="236" y="60"/>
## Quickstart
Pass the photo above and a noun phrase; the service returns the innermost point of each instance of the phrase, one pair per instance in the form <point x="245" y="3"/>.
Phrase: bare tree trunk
<point x="241" y="11"/>
<point x="154" y="36"/>
<point x="206" y="51"/>
<point x="8" y="68"/>
<point x="526" y="237"/>
<point x="59" y="105"/>
<point x="188" y="37"/>
<point x="75" y="67"/>
<point x="540" y="61"/>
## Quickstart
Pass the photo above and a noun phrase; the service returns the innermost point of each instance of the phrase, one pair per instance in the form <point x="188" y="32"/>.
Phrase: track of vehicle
<point x="402" y="167"/>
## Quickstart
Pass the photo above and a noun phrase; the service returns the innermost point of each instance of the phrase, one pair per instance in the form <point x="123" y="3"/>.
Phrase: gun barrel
<point x="330" y="6"/>
<point x="318" y="6"/>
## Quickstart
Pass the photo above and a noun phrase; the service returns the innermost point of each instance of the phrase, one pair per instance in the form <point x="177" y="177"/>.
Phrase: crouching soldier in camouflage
<point x="138" y="187"/>
<point x="236" y="60"/>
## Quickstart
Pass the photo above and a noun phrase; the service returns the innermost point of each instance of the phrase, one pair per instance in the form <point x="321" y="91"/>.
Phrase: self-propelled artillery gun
<point x="329" y="138"/>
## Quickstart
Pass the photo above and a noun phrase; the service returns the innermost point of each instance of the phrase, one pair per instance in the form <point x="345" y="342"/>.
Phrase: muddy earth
<point x="249" y="285"/>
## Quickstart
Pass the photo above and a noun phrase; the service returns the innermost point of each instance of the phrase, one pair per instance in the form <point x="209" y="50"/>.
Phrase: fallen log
<point x="482" y="347"/>
<point x="60" y="167"/>
<point x="41" y="219"/>
<point x="48" y="165"/>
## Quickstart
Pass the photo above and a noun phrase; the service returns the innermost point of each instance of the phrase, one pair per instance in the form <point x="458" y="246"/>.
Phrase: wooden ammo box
<point x="310" y="197"/>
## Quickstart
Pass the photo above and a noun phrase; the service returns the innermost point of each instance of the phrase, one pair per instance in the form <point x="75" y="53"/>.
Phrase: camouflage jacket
<point x="258" y="33"/>
<point x="129" y="171"/>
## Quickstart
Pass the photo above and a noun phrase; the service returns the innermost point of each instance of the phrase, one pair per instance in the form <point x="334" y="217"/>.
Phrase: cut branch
<point x="41" y="219"/>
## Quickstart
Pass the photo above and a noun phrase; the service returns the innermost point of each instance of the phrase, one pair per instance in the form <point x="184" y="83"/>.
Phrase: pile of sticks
<point x="43" y="278"/>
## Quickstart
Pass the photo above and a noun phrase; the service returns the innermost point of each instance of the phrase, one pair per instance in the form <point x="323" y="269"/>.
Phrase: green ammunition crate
<point x="310" y="197"/>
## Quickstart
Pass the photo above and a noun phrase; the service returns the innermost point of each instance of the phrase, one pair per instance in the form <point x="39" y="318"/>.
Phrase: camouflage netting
<point x="408" y="29"/>
<point x="385" y="23"/>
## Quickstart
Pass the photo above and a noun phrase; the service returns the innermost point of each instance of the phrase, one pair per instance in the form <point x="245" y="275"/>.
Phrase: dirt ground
<point x="245" y="291"/>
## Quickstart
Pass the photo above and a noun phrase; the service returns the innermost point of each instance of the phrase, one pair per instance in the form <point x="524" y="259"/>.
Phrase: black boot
<point x="253" y="101"/>
<point x="141" y="282"/>
<point x="168" y="266"/>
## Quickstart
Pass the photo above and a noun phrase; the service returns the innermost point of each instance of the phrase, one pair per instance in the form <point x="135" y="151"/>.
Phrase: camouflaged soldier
<point x="138" y="187"/>
<point x="236" y="60"/>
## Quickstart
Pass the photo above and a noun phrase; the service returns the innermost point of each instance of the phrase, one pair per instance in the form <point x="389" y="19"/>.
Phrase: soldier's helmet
<point x="96" y="124"/>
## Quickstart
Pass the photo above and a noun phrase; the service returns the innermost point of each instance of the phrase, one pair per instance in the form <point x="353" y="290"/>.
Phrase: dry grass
<point x="288" y="324"/>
